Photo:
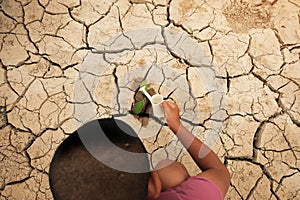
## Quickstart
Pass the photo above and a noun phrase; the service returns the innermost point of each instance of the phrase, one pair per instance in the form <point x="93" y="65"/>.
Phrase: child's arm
<point x="211" y="166"/>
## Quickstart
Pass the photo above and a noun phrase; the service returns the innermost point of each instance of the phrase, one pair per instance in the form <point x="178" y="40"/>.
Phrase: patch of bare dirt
<point x="243" y="16"/>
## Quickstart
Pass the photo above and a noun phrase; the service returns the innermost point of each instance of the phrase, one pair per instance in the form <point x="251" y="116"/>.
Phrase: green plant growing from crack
<point x="140" y="105"/>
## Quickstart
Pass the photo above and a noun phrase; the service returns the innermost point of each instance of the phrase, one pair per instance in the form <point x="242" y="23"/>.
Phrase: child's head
<point x="76" y="174"/>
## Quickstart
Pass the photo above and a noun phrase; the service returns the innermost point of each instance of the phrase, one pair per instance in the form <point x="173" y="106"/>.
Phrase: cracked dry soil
<point x="253" y="45"/>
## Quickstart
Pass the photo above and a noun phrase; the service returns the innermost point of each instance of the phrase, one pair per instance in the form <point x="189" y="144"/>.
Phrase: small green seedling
<point x="143" y="84"/>
<point x="140" y="105"/>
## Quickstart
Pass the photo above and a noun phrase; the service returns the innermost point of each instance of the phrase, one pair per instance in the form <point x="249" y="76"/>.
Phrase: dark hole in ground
<point x="143" y="115"/>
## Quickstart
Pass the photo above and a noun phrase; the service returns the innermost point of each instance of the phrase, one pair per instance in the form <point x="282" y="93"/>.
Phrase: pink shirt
<point x="194" y="188"/>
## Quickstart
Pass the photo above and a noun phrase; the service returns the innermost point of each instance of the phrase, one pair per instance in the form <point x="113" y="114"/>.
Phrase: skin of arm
<point x="171" y="173"/>
<point x="211" y="166"/>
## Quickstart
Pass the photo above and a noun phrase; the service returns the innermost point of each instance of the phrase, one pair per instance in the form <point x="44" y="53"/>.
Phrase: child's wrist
<point x="175" y="127"/>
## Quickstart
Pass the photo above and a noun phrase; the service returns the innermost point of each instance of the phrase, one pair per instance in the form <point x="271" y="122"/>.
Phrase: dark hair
<point x="76" y="174"/>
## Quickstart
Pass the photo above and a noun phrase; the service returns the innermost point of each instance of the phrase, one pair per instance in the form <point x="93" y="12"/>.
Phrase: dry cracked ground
<point x="232" y="66"/>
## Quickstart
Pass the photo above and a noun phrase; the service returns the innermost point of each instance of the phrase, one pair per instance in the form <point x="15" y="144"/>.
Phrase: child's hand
<point x="172" y="115"/>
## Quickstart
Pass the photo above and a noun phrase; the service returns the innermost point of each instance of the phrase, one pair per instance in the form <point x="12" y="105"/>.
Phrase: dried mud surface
<point x="254" y="47"/>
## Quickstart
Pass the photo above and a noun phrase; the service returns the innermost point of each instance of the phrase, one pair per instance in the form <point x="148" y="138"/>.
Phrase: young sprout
<point x="140" y="105"/>
<point x="143" y="84"/>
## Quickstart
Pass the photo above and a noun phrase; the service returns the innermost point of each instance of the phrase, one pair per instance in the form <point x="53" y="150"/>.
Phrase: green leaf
<point x="143" y="84"/>
<point x="138" y="107"/>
